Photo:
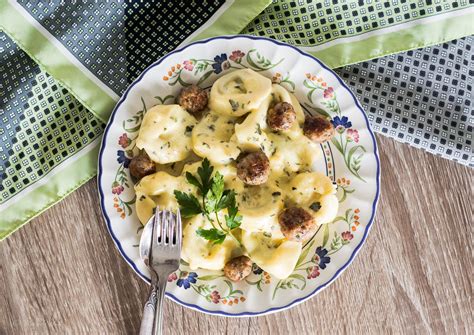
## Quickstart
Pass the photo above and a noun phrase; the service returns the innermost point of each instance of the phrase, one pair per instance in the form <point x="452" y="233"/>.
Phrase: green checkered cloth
<point x="63" y="66"/>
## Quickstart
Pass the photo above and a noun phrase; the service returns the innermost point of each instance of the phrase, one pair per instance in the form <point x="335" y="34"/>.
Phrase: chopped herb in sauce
<point x="189" y="129"/>
<point x="315" y="206"/>
<point x="276" y="194"/>
<point x="234" y="105"/>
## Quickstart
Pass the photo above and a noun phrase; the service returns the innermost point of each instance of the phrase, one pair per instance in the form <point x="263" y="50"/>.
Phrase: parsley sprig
<point x="214" y="198"/>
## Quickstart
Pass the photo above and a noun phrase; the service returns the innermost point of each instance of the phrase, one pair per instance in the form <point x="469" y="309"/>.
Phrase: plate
<point x="350" y="160"/>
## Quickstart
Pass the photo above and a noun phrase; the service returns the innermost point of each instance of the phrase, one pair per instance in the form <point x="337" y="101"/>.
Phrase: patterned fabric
<point x="117" y="40"/>
<point x="324" y="21"/>
<point x="422" y="97"/>
<point x="345" y="32"/>
<point x="41" y="123"/>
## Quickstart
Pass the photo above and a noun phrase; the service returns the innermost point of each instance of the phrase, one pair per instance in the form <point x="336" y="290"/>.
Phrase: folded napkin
<point x="63" y="66"/>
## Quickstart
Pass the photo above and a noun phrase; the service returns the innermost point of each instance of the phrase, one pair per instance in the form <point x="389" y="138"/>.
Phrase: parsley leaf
<point x="193" y="180"/>
<point x="214" y="195"/>
<point x="225" y="199"/>
<point x="188" y="203"/>
<point x="214" y="235"/>
<point x="205" y="173"/>
<point x="214" y="199"/>
<point x="232" y="220"/>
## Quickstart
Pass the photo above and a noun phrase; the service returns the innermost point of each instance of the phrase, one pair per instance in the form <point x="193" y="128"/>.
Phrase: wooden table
<point x="62" y="274"/>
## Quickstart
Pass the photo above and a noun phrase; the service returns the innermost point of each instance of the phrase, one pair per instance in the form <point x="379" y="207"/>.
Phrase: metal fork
<point x="163" y="258"/>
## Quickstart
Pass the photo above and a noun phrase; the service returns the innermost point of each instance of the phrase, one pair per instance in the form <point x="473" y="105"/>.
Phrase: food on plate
<point x="281" y="116"/>
<point x="253" y="168"/>
<point x="318" y="129"/>
<point x="239" y="92"/>
<point x="212" y="138"/>
<point x="239" y="165"/>
<point x="165" y="133"/>
<point x="238" y="268"/>
<point x="141" y="166"/>
<point x="296" y="223"/>
<point x="193" y="99"/>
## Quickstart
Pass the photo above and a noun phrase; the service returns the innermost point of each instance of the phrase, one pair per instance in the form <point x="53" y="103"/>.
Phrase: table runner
<point x="64" y="64"/>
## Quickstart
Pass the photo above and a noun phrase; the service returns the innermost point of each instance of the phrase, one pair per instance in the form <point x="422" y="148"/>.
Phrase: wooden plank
<point x="62" y="274"/>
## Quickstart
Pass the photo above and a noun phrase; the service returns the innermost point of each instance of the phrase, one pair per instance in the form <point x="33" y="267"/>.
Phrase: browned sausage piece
<point x="238" y="268"/>
<point x="253" y="168"/>
<point x="281" y="116"/>
<point x="318" y="129"/>
<point x="193" y="99"/>
<point x="141" y="166"/>
<point x="296" y="223"/>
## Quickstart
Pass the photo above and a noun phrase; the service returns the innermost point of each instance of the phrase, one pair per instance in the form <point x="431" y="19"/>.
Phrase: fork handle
<point x="158" y="324"/>
<point x="148" y="319"/>
<point x="152" y="323"/>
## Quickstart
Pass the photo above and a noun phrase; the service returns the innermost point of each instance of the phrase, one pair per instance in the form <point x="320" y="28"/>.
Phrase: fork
<point x="163" y="259"/>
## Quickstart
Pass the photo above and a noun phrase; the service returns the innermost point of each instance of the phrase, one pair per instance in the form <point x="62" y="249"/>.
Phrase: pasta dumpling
<point x="165" y="133"/>
<point x="250" y="134"/>
<point x="314" y="190"/>
<point x="239" y="92"/>
<point x="259" y="206"/>
<point x="212" y="138"/>
<point x="274" y="255"/>
<point x="288" y="158"/>
<point x="201" y="253"/>
<point x="157" y="190"/>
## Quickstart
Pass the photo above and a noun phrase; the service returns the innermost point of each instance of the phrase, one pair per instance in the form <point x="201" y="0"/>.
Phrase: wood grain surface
<point x="61" y="274"/>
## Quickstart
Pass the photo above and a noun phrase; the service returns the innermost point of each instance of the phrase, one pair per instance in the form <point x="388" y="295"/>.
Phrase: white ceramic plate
<point x="350" y="160"/>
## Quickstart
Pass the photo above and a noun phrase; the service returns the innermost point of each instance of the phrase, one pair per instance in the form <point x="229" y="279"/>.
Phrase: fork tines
<point x="167" y="229"/>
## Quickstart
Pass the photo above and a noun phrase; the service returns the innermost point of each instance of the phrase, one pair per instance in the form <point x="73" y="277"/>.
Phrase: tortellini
<point x="165" y="133"/>
<point x="259" y="206"/>
<point x="239" y="92"/>
<point x="200" y="253"/>
<point x="250" y="134"/>
<point x="274" y="255"/>
<point x="314" y="191"/>
<point x="287" y="158"/>
<point x="212" y="138"/>
<point x="157" y="190"/>
<point x="236" y="123"/>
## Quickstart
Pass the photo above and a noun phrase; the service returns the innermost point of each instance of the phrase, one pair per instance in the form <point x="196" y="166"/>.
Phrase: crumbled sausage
<point x="193" y="99"/>
<point x="141" y="166"/>
<point x="253" y="168"/>
<point x="318" y="129"/>
<point x="238" y="268"/>
<point x="296" y="223"/>
<point x="281" y="116"/>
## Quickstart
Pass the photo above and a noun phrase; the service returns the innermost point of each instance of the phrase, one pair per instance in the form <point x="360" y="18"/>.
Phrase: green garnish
<point x="214" y="199"/>
<point x="215" y="235"/>
<point x="234" y="105"/>
<point x="315" y="206"/>
<point x="189" y="204"/>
